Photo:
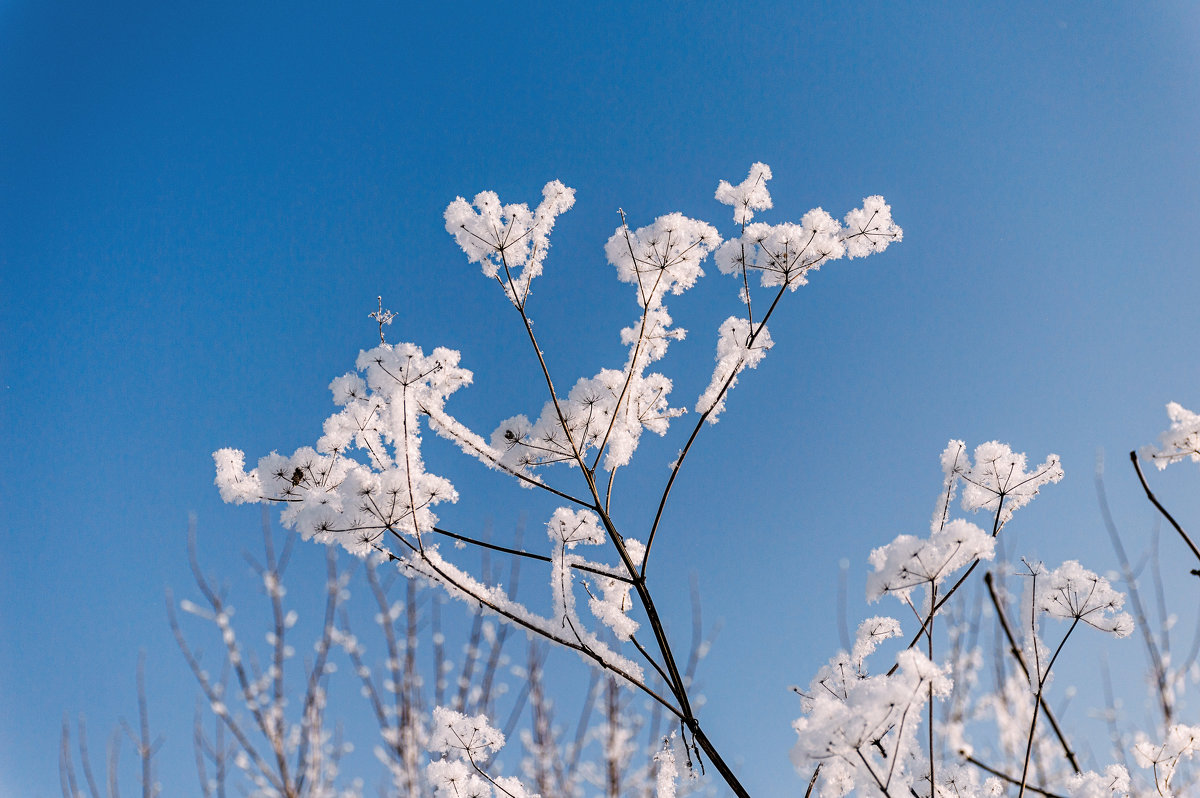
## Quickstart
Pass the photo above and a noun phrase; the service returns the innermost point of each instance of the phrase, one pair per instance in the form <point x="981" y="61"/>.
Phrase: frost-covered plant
<point x="1181" y="441"/>
<point x="365" y="485"/>
<point x="466" y="743"/>
<point x="1165" y="757"/>
<point x="859" y="730"/>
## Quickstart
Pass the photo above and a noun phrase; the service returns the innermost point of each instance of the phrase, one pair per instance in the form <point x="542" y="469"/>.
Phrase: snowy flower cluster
<point x="862" y="729"/>
<point x="663" y="257"/>
<point x="465" y="744"/>
<point x="328" y="495"/>
<point x="508" y="237"/>
<point x="748" y="196"/>
<point x="1073" y="593"/>
<point x="1164" y="758"/>
<point x="996" y="480"/>
<point x="1112" y="783"/>
<point x="364" y="485"/>
<point x="909" y="562"/>
<point x="1182" y="440"/>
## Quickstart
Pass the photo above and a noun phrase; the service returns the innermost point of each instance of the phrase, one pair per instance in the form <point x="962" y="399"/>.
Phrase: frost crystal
<point x="467" y="736"/>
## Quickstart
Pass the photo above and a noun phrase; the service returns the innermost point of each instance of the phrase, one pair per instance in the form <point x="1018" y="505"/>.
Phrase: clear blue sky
<point x="200" y="203"/>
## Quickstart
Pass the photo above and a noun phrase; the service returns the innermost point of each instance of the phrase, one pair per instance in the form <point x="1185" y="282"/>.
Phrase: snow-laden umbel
<point x="995" y="481"/>
<point x="508" y="238"/>
<point x="1112" y="783"/>
<point x="748" y="196"/>
<point x="1073" y="593"/>
<point x="662" y="257"/>
<point x="783" y="254"/>
<point x="862" y="729"/>
<point x="870" y="229"/>
<point x="1163" y="758"/>
<point x="466" y="744"/>
<point x="908" y="562"/>
<point x="327" y="494"/>
<point x="1181" y="441"/>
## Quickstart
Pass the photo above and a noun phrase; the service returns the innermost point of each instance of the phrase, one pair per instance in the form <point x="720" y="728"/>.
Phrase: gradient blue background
<point x="198" y="207"/>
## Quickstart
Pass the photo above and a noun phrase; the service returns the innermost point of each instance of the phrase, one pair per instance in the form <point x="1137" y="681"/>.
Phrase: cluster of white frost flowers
<point x="365" y="485"/>
<point x="1181" y="441"/>
<point x="908" y="562"/>
<point x="1073" y="593"/>
<point x="466" y="744"/>
<point x="1164" y="758"/>
<point x="995" y="480"/>
<point x="508" y="237"/>
<point x="862" y="728"/>
<point x="859" y="729"/>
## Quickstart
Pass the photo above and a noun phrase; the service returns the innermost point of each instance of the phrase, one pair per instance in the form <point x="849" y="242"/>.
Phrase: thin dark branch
<point x="1154" y="500"/>
<point x="521" y="553"/>
<point x="1004" y="776"/>
<point x="1002" y="616"/>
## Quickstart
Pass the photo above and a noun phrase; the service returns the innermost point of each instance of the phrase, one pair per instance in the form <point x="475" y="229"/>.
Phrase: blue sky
<point x="198" y="207"/>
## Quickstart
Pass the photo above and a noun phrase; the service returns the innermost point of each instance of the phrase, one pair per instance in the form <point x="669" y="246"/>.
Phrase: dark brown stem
<point x="1020" y="658"/>
<point x="1153" y="500"/>
<point x="1004" y="776"/>
<point x="813" y="781"/>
